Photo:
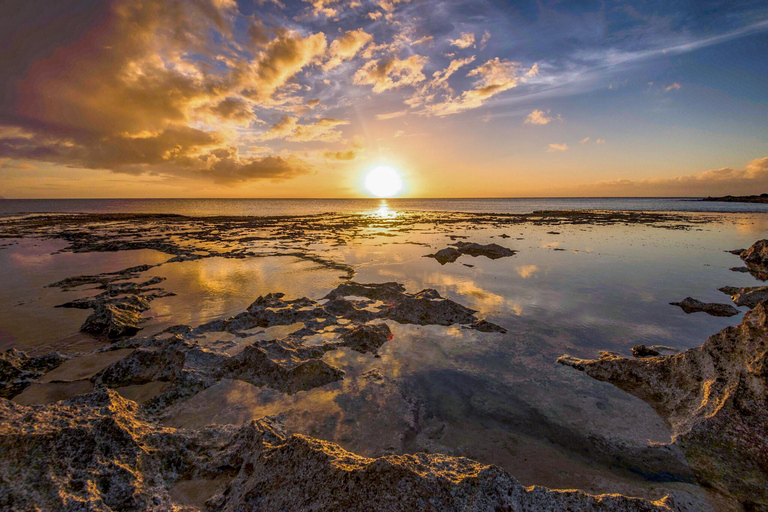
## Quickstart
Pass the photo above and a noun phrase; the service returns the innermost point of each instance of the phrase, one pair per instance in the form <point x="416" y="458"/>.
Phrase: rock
<point x="447" y="255"/>
<point x="116" y="319"/>
<point x="142" y="366"/>
<point x="18" y="370"/>
<point x="756" y="259"/>
<point x="757" y="254"/>
<point x="98" y="452"/>
<point x="714" y="398"/>
<point x="643" y="351"/>
<point x="290" y="374"/>
<point x="690" y="305"/>
<point x="387" y="292"/>
<point x="485" y="326"/>
<point x="749" y="297"/>
<point x="367" y="338"/>
<point x="428" y="308"/>
<point x="450" y="254"/>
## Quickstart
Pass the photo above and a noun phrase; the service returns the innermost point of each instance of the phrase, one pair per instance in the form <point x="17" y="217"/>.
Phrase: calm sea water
<point x="266" y="207"/>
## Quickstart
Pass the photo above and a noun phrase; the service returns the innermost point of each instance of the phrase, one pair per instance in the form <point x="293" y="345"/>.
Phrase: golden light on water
<point x="384" y="181"/>
<point x="385" y="212"/>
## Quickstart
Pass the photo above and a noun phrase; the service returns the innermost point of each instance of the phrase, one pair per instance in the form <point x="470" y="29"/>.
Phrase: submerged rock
<point x="98" y="452"/>
<point x="451" y="254"/>
<point x="749" y="296"/>
<point x="690" y="305"/>
<point x="715" y="399"/>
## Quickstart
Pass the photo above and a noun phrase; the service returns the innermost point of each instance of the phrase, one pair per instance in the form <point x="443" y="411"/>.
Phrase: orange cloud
<point x="391" y="73"/>
<point x="539" y="117"/>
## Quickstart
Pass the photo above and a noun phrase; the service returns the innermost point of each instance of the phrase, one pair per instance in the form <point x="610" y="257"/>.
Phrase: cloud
<point x="538" y="117"/>
<point x="493" y="77"/>
<point x="557" y="147"/>
<point x="753" y="179"/>
<point x="466" y="40"/>
<point x="391" y="115"/>
<point x="287" y="128"/>
<point x="675" y="86"/>
<point x="600" y="141"/>
<point x="423" y="40"/>
<point x="282" y="59"/>
<point x="534" y="71"/>
<point x="346" y="47"/>
<point x="391" y="73"/>
<point x="584" y="140"/>
<point x="122" y="91"/>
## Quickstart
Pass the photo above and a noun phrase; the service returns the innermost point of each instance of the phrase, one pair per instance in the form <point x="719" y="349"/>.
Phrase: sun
<point x="383" y="181"/>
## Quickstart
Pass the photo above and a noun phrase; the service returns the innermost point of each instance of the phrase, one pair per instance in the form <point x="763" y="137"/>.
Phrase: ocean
<point x="281" y="207"/>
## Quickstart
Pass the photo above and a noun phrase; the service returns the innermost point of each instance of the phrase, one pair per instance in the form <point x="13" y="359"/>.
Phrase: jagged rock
<point x="690" y="305"/>
<point x="367" y="338"/>
<point x="450" y="254"/>
<point x="428" y="308"/>
<point x="643" y="351"/>
<point x="757" y="254"/>
<point x="142" y="366"/>
<point x="387" y="292"/>
<point x="290" y="374"/>
<point x="101" y="279"/>
<point x="749" y="297"/>
<point x="97" y="452"/>
<point x="18" y="370"/>
<point x="116" y="319"/>
<point x="714" y="398"/>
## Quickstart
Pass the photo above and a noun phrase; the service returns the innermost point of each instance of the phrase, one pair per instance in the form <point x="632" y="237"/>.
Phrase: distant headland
<point x="762" y="198"/>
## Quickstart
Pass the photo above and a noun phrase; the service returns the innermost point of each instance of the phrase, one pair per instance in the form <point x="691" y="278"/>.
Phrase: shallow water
<point x="498" y="398"/>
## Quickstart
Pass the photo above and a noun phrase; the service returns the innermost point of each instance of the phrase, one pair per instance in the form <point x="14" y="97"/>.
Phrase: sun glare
<point x="383" y="181"/>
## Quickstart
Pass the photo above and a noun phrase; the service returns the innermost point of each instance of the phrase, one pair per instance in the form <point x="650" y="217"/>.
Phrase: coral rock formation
<point x="715" y="399"/>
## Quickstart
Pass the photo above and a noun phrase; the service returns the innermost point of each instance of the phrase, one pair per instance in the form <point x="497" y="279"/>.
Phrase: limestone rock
<point x="714" y="398"/>
<point x="116" y="319"/>
<point x="749" y="296"/>
<point x="18" y="370"/>
<point x="97" y="452"/>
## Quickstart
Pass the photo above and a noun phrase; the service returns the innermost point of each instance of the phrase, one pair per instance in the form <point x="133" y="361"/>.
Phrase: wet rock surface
<point x="747" y="296"/>
<point x="101" y="453"/>
<point x="451" y="254"/>
<point x="690" y="305"/>
<point x="644" y="351"/>
<point x="756" y="259"/>
<point x="714" y="397"/>
<point x="117" y="310"/>
<point x="18" y="370"/>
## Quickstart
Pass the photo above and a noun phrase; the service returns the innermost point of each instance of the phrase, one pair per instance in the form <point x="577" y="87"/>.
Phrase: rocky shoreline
<point x="102" y="451"/>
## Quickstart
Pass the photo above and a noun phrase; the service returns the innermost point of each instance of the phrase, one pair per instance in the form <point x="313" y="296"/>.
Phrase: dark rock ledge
<point x="715" y="399"/>
<point x="451" y="254"/>
<point x="98" y="452"/>
<point x="690" y="305"/>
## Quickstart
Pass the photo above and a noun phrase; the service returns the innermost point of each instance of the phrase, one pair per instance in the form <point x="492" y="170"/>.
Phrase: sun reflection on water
<point x="385" y="212"/>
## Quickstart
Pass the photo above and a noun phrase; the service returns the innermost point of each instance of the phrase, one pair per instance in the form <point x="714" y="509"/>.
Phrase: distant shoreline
<point x="762" y="198"/>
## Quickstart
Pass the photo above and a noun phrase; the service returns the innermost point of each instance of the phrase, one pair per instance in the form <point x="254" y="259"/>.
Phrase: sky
<point x="302" y="98"/>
